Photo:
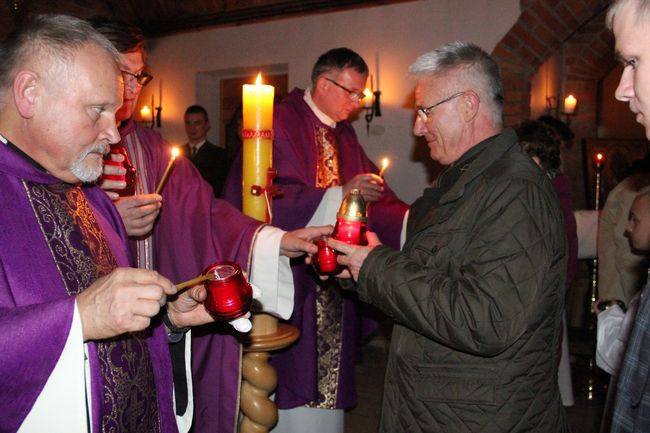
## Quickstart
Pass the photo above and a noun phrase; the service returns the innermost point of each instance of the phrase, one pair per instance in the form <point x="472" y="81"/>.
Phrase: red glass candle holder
<point x="229" y="294"/>
<point x="325" y="259"/>
<point x="129" y="177"/>
<point x="350" y="231"/>
<point x="113" y="176"/>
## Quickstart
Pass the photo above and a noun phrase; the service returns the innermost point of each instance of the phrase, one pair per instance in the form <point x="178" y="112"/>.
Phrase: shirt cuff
<point x="271" y="273"/>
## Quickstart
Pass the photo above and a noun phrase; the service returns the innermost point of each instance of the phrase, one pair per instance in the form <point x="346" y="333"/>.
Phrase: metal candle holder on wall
<point x="569" y="109"/>
<point x="373" y="110"/>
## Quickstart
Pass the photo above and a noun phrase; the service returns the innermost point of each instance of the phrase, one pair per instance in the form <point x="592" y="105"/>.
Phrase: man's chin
<point x="90" y="170"/>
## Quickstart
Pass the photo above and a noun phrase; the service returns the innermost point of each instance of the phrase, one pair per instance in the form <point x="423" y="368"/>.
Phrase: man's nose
<point x="625" y="89"/>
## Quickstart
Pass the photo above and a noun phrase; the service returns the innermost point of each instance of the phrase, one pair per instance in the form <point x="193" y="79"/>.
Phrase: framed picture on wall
<point x="619" y="158"/>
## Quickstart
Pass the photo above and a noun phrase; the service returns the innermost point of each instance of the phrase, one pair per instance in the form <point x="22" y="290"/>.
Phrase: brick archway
<point x="543" y="28"/>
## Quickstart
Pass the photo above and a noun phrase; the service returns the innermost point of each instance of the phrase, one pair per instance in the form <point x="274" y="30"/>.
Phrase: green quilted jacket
<point x="477" y="294"/>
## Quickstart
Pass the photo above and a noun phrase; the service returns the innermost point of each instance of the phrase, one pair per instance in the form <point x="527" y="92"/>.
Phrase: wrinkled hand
<point x="299" y="242"/>
<point x="370" y="185"/>
<point x="139" y="212"/>
<point x="109" y="186"/>
<point x="353" y="256"/>
<point x="123" y="301"/>
<point x="188" y="309"/>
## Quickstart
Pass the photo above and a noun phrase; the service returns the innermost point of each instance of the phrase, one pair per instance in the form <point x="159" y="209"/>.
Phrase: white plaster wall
<point x="398" y="33"/>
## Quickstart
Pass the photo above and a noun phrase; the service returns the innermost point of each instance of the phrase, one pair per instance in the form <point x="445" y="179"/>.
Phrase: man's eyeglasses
<point x="142" y="79"/>
<point x="424" y="113"/>
<point x="354" y="96"/>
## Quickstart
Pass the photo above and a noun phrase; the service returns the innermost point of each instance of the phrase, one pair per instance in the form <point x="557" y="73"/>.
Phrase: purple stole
<point x="83" y="255"/>
<point x="56" y="240"/>
<point x="318" y="370"/>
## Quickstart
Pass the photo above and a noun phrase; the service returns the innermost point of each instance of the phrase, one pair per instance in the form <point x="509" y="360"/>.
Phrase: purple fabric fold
<point x="35" y="309"/>
<point x="194" y="230"/>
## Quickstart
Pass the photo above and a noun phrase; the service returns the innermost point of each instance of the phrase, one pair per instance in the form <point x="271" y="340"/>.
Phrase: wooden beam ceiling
<point x="165" y="17"/>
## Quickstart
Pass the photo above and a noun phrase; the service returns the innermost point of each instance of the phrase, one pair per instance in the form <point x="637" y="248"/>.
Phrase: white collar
<point x="321" y="116"/>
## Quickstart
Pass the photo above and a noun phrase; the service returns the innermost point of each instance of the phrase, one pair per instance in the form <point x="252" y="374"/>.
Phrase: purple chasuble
<point x="194" y="230"/>
<point x="301" y="379"/>
<point x="56" y="240"/>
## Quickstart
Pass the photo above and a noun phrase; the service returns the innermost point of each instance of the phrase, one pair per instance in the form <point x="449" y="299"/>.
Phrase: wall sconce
<point x="372" y="106"/>
<point x="570" y="104"/>
<point x="147" y="112"/>
<point x="551" y="106"/>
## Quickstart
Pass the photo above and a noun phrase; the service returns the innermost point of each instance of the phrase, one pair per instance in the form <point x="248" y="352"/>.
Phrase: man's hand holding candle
<point x="110" y="173"/>
<point x="139" y="212"/>
<point x="301" y="241"/>
<point x="353" y="256"/>
<point x="125" y="300"/>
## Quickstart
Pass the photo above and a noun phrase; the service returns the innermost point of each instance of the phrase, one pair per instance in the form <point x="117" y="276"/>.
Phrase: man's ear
<point x="321" y="84"/>
<point x="25" y="90"/>
<point x="470" y="105"/>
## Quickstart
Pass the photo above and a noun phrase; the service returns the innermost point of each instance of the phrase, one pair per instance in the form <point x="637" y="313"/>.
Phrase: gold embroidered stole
<point x="82" y="255"/>
<point x="329" y="303"/>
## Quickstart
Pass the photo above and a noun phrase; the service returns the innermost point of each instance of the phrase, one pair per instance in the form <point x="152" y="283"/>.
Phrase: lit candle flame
<point x="368" y="97"/>
<point x="570" y="103"/>
<point x="258" y="80"/>
<point x="599" y="158"/>
<point x="175" y="153"/>
<point x="384" y="164"/>
<point x="145" y="111"/>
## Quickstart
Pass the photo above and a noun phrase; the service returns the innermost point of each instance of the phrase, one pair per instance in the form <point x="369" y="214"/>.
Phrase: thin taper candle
<point x="192" y="282"/>
<point x="384" y="164"/>
<point x="175" y="153"/>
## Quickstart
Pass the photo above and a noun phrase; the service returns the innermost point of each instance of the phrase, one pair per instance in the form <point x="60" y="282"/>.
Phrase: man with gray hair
<point x="477" y="290"/>
<point x="630" y="22"/>
<point x="82" y="344"/>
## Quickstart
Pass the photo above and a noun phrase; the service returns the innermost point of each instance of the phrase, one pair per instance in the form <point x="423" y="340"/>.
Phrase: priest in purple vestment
<point x="83" y="348"/>
<point x="319" y="159"/>
<point x="182" y="231"/>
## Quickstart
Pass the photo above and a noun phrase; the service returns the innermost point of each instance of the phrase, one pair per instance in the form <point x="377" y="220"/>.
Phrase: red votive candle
<point x="352" y="232"/>
<point x="229" y="294"/>
<point x="325" y="259"/>
<point x="113" y="176"/>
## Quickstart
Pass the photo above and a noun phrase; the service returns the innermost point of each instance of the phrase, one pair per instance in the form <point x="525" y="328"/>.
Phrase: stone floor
<point x="584" y="416"/>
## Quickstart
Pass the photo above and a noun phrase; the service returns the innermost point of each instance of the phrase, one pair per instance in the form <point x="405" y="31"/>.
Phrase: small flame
<point x="258" y="80"/>
<point x="367" y="93"/>
<point x="384" y="163"/>
<point x="175" y="152"/>
<point x="600" y="157"/>
<point x="145" y="111"/>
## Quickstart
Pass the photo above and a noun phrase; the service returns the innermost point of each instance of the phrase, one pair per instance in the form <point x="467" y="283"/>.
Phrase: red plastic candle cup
<point x="325" y="259"/>
<point x="352" y="232"/>
<point x="229" y="294"/>
<point x="113" y="176"/>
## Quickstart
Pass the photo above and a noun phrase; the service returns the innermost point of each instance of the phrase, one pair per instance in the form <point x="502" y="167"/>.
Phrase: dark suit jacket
<point x="212" y="163"/>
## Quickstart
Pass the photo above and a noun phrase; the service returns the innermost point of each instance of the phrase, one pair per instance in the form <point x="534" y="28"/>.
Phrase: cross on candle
<point x="175" y="153"/>
<point x="384" y="164"/>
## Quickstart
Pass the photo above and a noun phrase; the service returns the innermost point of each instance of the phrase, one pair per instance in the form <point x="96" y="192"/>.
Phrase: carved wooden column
<point x="259" y="377"/>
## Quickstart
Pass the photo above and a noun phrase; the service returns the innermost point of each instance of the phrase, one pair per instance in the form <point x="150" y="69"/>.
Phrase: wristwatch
<point x="604" y="305"/>
<point x="174" y="333"/>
